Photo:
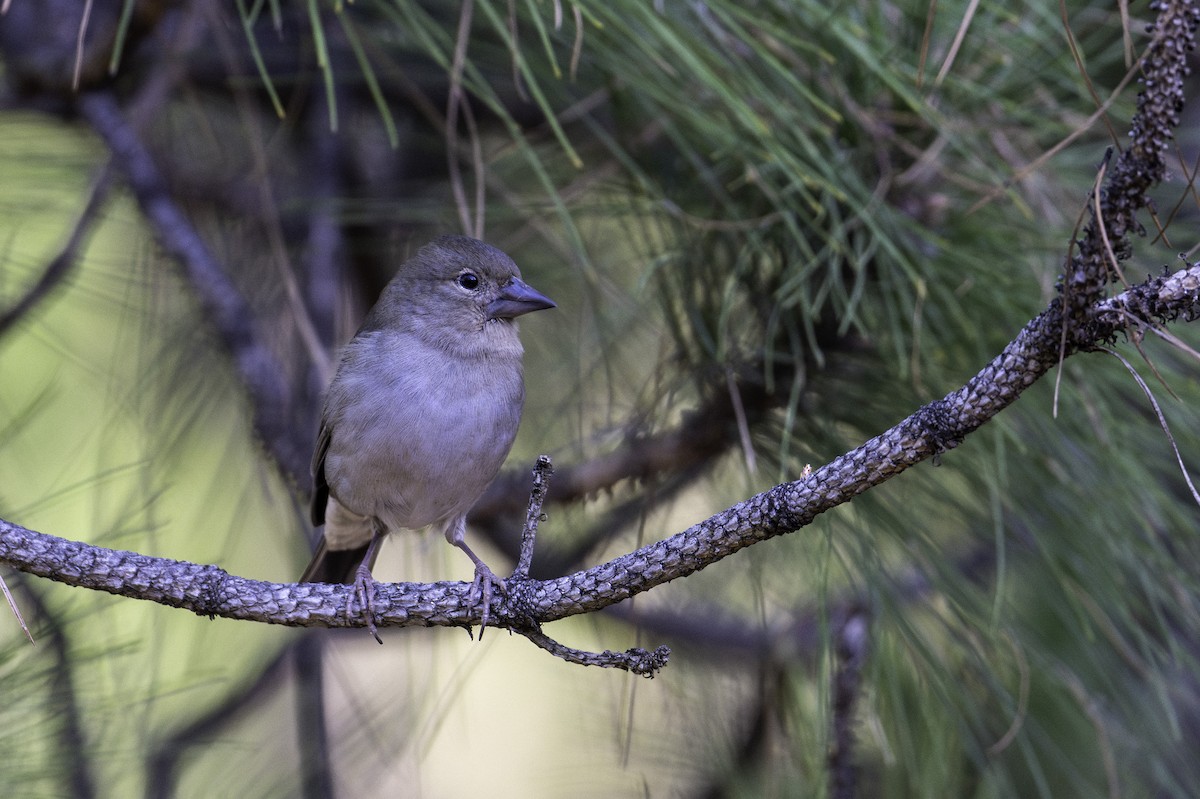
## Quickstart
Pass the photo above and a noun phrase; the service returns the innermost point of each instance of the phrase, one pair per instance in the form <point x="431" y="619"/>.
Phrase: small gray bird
<point x="422" y="411"/>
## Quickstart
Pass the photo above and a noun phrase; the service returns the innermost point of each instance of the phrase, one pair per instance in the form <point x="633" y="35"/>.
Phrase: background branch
<point x="233" y="319"/>
<point x="61" y="264"/>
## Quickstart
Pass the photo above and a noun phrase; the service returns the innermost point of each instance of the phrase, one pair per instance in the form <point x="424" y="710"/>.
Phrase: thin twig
<point x="76" y="769"/>
<point x="60" y="266"/>
<point x="1162" y="420"/>
<point x="79" y="39"/>
<point x="172" y="749"/>
<point x="636" y="660"/>
<point x="12" y="604"/>
<point x="542" y="471"/>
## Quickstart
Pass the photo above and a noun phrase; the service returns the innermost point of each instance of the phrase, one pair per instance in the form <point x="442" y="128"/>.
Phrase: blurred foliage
<point x="822" y="208"/>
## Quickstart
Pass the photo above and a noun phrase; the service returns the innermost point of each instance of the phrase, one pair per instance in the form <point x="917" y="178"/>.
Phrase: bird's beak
<point x="516" y="298"/>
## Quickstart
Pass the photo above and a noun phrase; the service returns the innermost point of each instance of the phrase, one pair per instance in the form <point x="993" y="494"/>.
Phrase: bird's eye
<point x="469" y="281"/>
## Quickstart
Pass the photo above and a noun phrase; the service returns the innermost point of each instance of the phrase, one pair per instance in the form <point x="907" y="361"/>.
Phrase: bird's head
<point x="460" y="293"/>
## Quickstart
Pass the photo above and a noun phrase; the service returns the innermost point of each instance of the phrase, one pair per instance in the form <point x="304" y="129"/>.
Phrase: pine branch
<point x="786" y="508"/>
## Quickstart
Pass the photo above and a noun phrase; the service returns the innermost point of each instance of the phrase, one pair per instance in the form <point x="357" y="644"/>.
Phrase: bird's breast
<point x="417" y="435"/>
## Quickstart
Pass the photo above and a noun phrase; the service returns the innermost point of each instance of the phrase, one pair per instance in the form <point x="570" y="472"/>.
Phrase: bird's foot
<point x="364" y="593"/>
<point x="481" y="592"/>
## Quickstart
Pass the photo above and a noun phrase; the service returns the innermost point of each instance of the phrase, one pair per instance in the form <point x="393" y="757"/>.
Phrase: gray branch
<point x="932" y="429"/>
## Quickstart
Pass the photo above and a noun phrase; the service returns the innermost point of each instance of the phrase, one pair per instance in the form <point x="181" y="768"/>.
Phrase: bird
<point x="421" y="413"/>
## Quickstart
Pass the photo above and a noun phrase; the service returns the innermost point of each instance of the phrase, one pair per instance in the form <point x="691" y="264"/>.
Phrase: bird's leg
<point x="364" y="583"/>
<point x="485" y="580"/>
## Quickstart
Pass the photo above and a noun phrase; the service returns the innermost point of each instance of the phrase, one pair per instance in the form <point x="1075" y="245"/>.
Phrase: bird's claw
<point x="481" y="593"/>
<point x="364" y="592"/>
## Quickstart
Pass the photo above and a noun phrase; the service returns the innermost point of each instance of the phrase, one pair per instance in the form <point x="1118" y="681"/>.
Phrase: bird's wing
<point x="320" y="492"/>
<point x="328" y="566"/>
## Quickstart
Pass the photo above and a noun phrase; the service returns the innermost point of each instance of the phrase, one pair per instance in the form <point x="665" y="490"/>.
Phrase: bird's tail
<point x="351" y="534"/>
<point x="335" y="565"/>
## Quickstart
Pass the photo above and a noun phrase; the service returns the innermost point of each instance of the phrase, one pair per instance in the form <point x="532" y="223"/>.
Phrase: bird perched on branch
<point x="422" y="412"/>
